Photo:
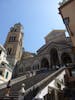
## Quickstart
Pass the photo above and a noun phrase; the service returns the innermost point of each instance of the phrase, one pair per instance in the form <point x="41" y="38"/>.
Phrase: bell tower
<point x="14" y="44"/>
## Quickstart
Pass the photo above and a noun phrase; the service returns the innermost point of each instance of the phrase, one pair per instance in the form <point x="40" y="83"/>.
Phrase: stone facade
<point x="57" y="50"/>
<point x="66" y="10"/>
<point x="3" y="55"/>
<point x="5" y="68"/>
<point x="13" y="44"/>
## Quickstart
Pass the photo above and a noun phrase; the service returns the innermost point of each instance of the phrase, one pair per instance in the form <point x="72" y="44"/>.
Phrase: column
<point x="56" y="95"/>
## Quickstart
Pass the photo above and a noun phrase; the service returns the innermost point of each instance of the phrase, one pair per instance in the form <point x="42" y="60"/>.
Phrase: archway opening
<point x="44" y="63"/>
<point x="35" y="66"/>
<point x="65" y="57"/>
<point x="54" y="57"/>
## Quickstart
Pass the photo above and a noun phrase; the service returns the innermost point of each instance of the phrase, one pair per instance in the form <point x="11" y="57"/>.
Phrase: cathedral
<point x="57" y="50"/>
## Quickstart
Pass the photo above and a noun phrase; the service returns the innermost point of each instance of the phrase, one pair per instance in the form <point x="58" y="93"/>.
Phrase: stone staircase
<point x="28" y="83"/>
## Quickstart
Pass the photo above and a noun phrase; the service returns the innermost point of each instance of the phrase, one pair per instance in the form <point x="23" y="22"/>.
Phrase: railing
<point x="14" y="81"/>
<point x="32" y="91"/>
<point x="9" y="98"/>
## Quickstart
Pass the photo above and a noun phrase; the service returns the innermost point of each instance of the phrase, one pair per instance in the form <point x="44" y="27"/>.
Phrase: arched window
<point x="12" y="38"/>
<point x="44" y="63"/>
<point x="9" y="51"/>
<point x="65" y="58"/>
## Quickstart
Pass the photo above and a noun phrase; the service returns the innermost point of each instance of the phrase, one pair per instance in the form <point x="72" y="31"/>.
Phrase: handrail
<point x="16" y="80"/>
<point x="13" y="81"/>
<point x="44" y="80"/>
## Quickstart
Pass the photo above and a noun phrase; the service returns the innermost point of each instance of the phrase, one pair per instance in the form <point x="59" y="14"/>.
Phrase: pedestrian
<point x="8" y="88"/>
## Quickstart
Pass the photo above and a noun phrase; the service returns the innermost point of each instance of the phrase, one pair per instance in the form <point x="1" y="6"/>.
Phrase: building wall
<point x="3" y="55"/>
<point x="5" y="70"/>
<point x="67" y="10"/>
<point x="60" y="49"/>
<point x="48" y="56"/>
<point x="36" y="62"/>
<point x="14" y="44"/>
<point x="54" y="35"/>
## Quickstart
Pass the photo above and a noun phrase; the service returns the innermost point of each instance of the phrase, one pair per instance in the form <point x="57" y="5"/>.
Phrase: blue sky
<point x="38" y="17"/>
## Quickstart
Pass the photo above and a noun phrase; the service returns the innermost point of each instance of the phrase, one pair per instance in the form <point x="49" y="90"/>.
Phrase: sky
<point x="38" y="18"/>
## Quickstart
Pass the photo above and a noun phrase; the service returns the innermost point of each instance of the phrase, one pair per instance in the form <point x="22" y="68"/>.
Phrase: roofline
<point x="51" y="43"/>
<point x="58" y="30"/>
<point x="60" y="12"/>
<point x="66" y="3"/>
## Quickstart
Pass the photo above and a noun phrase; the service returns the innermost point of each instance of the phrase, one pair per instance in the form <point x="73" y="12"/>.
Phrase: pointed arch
<point x="65" y="58"/>
<point x="44" y="63"/>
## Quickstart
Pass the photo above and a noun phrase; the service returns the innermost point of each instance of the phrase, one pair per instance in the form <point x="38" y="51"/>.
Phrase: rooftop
<point x="64" y="2"/>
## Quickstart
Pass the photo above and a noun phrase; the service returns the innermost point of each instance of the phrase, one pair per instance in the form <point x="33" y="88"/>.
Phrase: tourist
<point x="8" y="88"/>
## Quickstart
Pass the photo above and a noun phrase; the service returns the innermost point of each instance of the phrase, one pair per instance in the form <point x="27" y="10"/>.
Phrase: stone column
<point x="59" y="56"/>
<point x="50" y="67"/>
<point x="22" y="92"/>
<point x="72" y="58"/>
<point x="56" y="95"/>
